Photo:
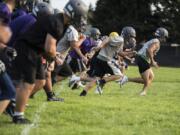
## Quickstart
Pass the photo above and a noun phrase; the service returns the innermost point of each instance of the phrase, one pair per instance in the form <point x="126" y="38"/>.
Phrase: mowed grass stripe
<point x="119" y="111"/>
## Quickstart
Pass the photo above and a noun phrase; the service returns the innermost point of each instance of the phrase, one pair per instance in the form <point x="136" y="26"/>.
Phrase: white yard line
<point x="36" y="120"/>
<point x="37" y="116"/>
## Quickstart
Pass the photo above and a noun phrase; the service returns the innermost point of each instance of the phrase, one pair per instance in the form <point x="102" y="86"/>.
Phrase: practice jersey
<point x="18" y="13"/>
<point x="20" y="25"/>
<point x="5" y="13"/>
<point x="70" y="35"/>
<point x="85" y="47"/>
<point x="48" y="24"/>
<point x="108" y="52"/>
<point x="143" y="51"/>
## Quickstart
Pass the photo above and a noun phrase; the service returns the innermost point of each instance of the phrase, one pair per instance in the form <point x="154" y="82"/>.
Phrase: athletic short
<point x="62" y="70"/>
<point x="77" y="65"/>
<point x="27" y="66"/>
<point x="100" y="68"/>
<point x="143" y="65"/>
<point x="7" y="89"/>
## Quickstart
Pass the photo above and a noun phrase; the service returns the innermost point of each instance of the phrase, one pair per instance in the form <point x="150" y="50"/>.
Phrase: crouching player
<point x="7" y="90"/>
<point x="145" y="59"/>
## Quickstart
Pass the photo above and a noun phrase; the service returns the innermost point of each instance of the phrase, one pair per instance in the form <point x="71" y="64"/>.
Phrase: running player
<point x="145" y="59"/>
<point x="76" y="63"/>
<point x="103" y="60"/>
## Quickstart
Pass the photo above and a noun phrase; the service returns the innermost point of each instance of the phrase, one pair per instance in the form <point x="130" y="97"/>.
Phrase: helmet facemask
<point x="162" y="34"/>
<point x="130" y="42"/>
<point x="129" y="35"/>
<point x="95" y="33"/>
<point x="80" y="23"/>
<point x="77" y="11"/>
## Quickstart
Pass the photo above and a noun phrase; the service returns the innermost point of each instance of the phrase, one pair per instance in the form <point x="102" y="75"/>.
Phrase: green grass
<point x="119" y="111"/>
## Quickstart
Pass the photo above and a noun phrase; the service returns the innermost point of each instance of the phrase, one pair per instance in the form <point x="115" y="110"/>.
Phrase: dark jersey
<point x="85" y="47"/>
<point x="5" y="13"/>
<point x="36" y="36"/>
<point x="18" y="13"/>
<point x="19" y="26"/>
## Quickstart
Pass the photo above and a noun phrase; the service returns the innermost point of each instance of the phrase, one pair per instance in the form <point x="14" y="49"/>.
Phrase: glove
<point x="2" y="67"/>
<point x="10" y="53"/>
<point x="48" y="58"/>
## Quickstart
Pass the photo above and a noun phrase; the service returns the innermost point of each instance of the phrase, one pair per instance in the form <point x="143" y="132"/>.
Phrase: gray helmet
<point x="31" y="3"/>
<point x="77" y="10"/>
<point x="42" y="8"/>
<point x="129" y="35"/>
<point x="162" y="33"/>
<point x="47" y="1"/>
<point x="128" y="32"/>
<point x="95" y="33"/>
<point x="21" y="3"/>
<point x="37" y="1"/>
<point x="56" y="11"/>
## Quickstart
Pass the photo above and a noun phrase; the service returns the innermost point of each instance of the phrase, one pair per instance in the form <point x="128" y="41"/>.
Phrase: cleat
<point x="143" y="93"/>
<point x="20" y="120"/>
<point x="123" y="81"/>
<point x="73" y="84"/>
<point x="55" y="99"/>
<point x="99" y="87"/>
<point x="83" y="93"/>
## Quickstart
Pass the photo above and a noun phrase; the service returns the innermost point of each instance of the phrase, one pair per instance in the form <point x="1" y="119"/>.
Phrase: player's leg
<point x="39" y="84"/>
<point x="136" y="80"/>
<point x="7" y="92"/>
<point x="48" y="88"/>
<point x="98" y="71"/>
<point x="88" y="87"/>
<point x="22" y="97"/>
<point x="30" y="60"/>
<point x="3" y="105"/>
<point x="146" y="78"/>
<point x="115" y="74"/>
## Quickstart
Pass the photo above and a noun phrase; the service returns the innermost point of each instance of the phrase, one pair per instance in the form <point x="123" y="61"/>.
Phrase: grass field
<point x="119" y="111"/>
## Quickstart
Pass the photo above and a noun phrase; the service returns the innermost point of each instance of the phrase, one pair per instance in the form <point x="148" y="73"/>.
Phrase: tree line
<point x="144" y="15"/>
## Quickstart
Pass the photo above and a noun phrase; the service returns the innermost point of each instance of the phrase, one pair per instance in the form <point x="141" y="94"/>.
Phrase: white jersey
<point x="70" y="35"/>
<point x="143" y="51"/>
<point x="98" y="42"/>
<point x="108" y="52"/>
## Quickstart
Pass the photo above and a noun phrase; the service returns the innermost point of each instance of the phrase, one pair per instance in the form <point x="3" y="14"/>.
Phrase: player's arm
<point x="151" y="51"/>
<point x="81" y="40"/>
<point x="102" y="45"/>
<point x="2" y="46"/>
<point x="75" y="45"/>
<point x="50" y="47"/>
<point x="126" y="54"/>
<point x="5" y="35"/>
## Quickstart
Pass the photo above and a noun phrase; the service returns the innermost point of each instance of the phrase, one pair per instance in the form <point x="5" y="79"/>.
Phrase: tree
<point x="113" y="15"/>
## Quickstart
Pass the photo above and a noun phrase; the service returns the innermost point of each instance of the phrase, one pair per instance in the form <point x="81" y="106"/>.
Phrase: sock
<point x="18" y="113"/>
<point x="83" y="93"/>
<point x="77" y="78"/>
<point x="102" y="81"/>
<point x="50" y="94"/>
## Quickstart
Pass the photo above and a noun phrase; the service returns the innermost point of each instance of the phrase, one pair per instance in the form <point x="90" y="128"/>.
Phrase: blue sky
<point x="60" y="3"/>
